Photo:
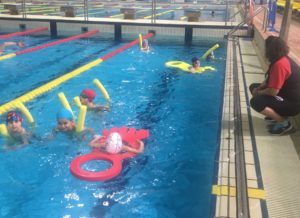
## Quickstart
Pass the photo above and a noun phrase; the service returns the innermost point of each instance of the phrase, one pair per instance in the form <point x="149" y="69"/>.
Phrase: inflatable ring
<point x="129" y="135"/>
<point x="110" y="173"/>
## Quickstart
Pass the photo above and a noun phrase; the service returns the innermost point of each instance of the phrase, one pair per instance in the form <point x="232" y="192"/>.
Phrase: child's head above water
<point x="145" y="43"/>
<point x="88" y="94"/>
<point x="14" y="121"/>
<point x="65" y="120"/>
<point x="14" y="116"/>
<point x="195" y="62"/>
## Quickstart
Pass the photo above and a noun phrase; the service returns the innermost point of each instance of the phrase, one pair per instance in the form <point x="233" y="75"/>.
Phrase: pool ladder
<point x="248" y="18"/>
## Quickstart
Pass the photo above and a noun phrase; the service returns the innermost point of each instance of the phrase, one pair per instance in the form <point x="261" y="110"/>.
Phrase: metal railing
<point x="249" y="18"/>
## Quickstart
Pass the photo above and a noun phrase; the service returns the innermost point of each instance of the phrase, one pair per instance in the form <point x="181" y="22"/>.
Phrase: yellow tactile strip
<point x="231" y="191"/>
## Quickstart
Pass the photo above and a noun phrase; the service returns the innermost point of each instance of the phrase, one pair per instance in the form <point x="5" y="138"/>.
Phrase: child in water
<point x="145" y="45"/>
<point x="17" y="133"/>
<point x="210" y="56"/>
<point x="66" y="124"/>
<point x="114" y="145"/>
<point x="87" y="97"/>
<point x="195" y="65"/>
<point x="6" y="44"/>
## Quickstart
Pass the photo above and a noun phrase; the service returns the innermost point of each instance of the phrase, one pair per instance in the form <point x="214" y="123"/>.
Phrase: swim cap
<point x="64" y="114"/>
<point x="194" y="59"/>
<point x="14" y="116"/>
<point x="114" y="143"/>
<point x="89" y="94"/>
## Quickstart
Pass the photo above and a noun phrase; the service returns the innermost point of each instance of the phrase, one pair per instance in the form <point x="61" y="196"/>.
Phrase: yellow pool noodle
<point x="140" y="40"/>
<point x="7" y="56"/>
<point x="3" y="131"/>
<point x="210" y="51"/>
<point x="25" y="112"/>
<point x="81" y="119"/>
<point x="65" y="102"/>
<point x="102" y="89"/>
<point x="76" y="100"/>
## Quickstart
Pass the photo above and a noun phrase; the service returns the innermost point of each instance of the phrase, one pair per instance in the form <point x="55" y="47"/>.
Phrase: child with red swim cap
<point x="87" y="97"/>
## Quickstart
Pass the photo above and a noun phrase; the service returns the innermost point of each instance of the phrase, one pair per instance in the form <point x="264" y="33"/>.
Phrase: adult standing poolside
<point x="278" y="96"/>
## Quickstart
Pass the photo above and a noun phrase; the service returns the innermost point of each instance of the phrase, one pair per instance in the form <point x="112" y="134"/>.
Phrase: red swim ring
<point x="110" y="173"/>
<point x="129" y="135"/>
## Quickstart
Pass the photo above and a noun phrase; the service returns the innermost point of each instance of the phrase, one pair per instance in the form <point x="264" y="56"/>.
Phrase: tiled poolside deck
<point x="272" y="162"/>
<point x="278" y="156"/>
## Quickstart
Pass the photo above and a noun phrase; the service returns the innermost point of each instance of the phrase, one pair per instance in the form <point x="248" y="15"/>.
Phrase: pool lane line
<point x="39" y="47"/>
<point x="162" y="13"/>
<point x="56" y="82"/>
<point x="224" y="190"/>
<point x="43" y="11"/>
<point x="141" y="11"/>
<point x="27" y="32"/>
<point x="4" y="11"/>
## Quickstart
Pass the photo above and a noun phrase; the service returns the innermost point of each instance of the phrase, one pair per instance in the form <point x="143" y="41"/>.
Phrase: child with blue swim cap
<point x="65" y="122"/>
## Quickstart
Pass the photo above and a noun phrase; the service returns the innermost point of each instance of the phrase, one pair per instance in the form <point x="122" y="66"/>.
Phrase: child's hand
<point x="97" y="136"/>
<point x="97" y="142"/>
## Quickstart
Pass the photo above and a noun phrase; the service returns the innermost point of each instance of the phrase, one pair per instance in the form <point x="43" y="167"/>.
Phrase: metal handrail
<point x="236" y="13"/>
<point x="248" y="18"/>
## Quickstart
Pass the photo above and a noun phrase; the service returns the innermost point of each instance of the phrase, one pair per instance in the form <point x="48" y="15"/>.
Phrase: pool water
<point x="174" y="175"/>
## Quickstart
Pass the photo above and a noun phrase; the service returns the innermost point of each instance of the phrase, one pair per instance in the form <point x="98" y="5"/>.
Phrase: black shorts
<point x="283" y="107"/>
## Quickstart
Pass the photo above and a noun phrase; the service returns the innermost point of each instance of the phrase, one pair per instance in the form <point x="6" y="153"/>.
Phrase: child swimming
<point x="145" y="45"/>
<point x="6" y="44"/>
<point x="17" y="133"/>
<point x="87" y="97"/>
<point x="66" y="124"/>
<point x="195" y="65"/>
<point x="114" y="144"/>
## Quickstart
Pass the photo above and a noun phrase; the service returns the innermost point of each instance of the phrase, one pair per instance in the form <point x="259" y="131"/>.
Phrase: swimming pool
<point x="172" y="178"/>
<point x="142" y="11"/>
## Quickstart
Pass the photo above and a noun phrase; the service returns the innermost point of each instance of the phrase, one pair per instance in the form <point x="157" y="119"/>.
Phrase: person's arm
<point x="24" y="139"/>
<point x="268" y="91"/>
<point x="9" y="44"/>
<point x="99" y="108"/>
<point x="192" y="69"/>
<point x="260" y="87"/>
<point x="86" y="134"/>
<point x="97" y="142"/>
<point x="138" y="150"/>
<point x="53" y="133"/>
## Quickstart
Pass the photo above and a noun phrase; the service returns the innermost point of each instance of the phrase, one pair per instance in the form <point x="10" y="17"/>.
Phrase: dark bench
<point x="129" y="13"/>
<point x="13" y="8"/>
<point x="192" y="15"/>
<point x="69" y="10"/>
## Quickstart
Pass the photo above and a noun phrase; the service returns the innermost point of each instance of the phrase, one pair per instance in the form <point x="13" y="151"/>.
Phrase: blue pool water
<point x="174" y="175"/>
<point x="163" y="13"/>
